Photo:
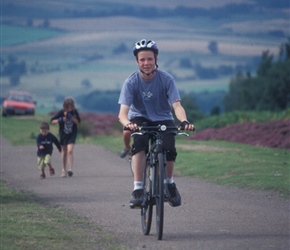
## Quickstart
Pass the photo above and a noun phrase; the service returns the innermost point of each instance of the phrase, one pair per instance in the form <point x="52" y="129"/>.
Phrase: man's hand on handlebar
<point x="185" y="125"/>
<point x="131" y="126"/>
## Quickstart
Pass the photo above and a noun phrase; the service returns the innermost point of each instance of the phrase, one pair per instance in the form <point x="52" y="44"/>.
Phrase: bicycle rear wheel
<point x="147" y="206"/>
<point x="160" y="196"/>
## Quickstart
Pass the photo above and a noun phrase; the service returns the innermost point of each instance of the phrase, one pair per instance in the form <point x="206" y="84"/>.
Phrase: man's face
<point x="146" y="61"/>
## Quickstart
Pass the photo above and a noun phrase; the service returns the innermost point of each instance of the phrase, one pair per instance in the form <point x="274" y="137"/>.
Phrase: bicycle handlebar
<point x="158" y="128"/>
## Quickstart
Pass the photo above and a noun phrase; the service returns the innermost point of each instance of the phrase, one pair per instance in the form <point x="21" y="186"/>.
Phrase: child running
<point x="68" y="119"/>
<point x="44" y="143"/>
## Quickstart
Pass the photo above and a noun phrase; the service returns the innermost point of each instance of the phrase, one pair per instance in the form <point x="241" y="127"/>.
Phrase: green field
<point x="14" y="35"/>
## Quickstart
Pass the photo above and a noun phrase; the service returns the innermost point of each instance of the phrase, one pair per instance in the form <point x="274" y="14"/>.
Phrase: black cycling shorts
<point x="141" y="142"/>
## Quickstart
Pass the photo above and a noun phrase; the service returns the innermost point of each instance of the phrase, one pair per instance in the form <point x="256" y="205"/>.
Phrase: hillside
<point x="202" y="43"/>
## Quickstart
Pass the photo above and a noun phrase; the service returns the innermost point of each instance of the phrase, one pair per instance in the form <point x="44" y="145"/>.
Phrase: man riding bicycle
<point x="148" y="95"/>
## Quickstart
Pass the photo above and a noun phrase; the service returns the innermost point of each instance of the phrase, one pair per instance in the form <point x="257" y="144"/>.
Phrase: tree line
<point x="268" y="90"/>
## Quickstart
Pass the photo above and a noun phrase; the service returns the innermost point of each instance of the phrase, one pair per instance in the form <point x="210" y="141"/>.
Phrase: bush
<point x="222" y="120"/>
<point x="84" y="129"/>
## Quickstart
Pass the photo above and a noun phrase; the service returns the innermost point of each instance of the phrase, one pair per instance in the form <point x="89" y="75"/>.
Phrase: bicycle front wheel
<point x="160" y="196"/>
<point x="147" y="206"/>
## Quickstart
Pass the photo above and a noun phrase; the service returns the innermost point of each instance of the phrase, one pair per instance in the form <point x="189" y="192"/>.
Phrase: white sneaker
<point x="63" y="173"/>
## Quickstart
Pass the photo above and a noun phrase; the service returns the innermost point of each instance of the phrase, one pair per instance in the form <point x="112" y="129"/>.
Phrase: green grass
<point x="28" y="223"/>
<point x="21" y="130"/>
<point x="237" y="165"/>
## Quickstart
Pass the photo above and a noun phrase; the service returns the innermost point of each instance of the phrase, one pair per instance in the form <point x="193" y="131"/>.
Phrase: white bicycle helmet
<point x="145" y="45"/>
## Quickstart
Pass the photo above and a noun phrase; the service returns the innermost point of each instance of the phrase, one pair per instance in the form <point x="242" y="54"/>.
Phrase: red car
<point x="18" y="103"/>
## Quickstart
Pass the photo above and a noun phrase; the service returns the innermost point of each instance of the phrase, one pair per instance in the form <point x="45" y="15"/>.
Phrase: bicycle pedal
<point x="135" y="207"/>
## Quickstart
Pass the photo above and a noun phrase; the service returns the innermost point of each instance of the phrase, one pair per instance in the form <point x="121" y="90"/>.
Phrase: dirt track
<point x="211" y="216"/>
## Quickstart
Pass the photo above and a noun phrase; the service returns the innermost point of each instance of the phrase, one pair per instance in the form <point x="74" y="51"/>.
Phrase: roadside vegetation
<point x="28" y="223"/>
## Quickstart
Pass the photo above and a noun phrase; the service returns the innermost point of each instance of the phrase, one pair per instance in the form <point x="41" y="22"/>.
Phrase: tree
<point x="232" y="99"/>
<point x="269" y="90"/>
<point x="86" y="83"/>
<point x="14" y="79"/>
<point x="45" y="23"/>
<point x="284" y="53"/>
<point x="215" y="110"/>
<point x="14" y="70"/>
<point x="185" y="63"/>
<point x="121" y="48"/>
<point x="192" y="111"/>
<point x="213" y="47"/>
<point x="29" y="22"/>
<point x="265" y="64"/>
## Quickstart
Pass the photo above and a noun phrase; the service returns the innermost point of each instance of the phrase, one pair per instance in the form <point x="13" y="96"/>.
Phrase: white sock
<point x="138" y="185"/>
<point x="170" y="180"/>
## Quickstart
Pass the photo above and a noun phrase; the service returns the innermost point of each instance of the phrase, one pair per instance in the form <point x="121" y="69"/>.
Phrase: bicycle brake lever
<point x="183" y="133"/>
<point x="137" y="133"/>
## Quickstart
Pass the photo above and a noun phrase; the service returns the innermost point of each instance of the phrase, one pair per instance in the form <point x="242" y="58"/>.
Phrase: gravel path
<point x="211" y="216"/>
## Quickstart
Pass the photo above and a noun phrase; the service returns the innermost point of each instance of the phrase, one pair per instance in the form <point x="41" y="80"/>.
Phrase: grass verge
<point x="28" y="223"/>
<point x="237" y="165"/>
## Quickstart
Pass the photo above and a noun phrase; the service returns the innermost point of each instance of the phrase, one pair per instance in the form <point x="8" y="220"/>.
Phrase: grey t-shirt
<point x="152" y="100"/>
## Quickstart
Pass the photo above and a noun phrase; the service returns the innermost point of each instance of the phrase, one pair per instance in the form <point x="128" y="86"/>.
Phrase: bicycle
<point x="154" y="176"/>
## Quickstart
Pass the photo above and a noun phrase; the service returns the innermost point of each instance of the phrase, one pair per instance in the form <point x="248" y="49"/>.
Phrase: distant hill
<point x="202" y="43"/>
